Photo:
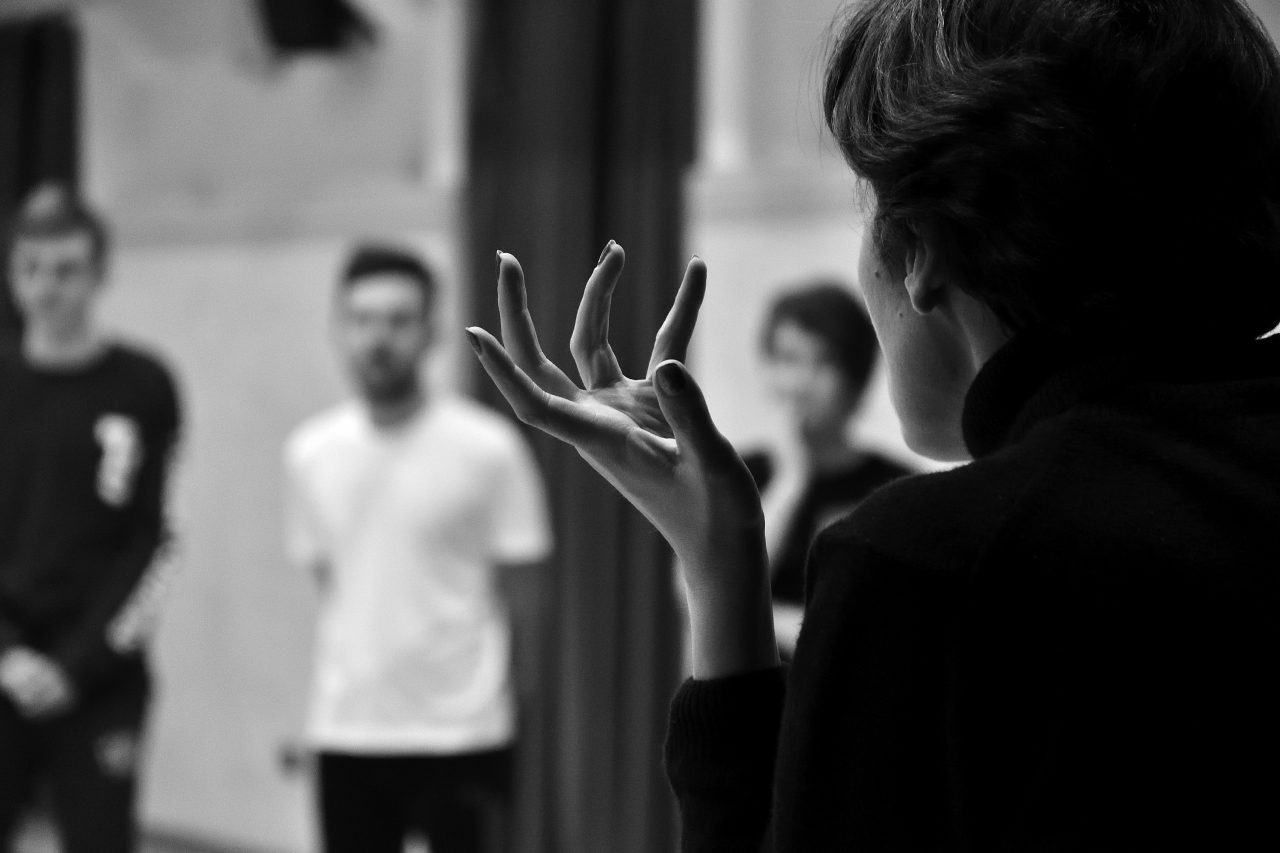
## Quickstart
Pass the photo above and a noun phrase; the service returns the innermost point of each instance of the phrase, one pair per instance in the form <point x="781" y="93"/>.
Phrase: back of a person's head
<point x="374" y="259"/>
<point x="54" y="210"/>
<point x="1090" y="164"/>
<point x="828" y="311"/>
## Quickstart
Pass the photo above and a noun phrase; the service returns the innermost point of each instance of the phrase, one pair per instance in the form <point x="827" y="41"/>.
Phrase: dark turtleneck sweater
<point x="1060" y="646"/>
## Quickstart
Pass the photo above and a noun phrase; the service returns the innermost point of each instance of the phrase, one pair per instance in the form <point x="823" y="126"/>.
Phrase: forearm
<point x="730" y="611"/>
<point x="116" y="617"/>
<point x="93" y="647"/>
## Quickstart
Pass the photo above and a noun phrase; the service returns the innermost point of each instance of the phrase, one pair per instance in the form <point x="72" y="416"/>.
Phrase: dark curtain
<point x="581" y="128"/>
<point x="39" y="104"/>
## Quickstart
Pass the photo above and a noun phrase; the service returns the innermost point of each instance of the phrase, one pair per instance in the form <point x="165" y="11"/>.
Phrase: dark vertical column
<point x="39" y="130"/>
<point x="581" y="127"/>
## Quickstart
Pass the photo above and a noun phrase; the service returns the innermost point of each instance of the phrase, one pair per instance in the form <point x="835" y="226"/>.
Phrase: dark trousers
<point x="368" y="804"/>
<point x="88" y="757"/>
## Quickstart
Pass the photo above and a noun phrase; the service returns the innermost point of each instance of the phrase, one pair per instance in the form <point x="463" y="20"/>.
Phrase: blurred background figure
<point x="409" y="507"/>
<point x="86" y="430"/>
<point x="819" y="355"/>
<point x="819" y="351"/>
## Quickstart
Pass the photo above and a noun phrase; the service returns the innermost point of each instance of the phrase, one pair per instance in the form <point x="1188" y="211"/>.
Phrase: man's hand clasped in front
<point x="36" y="683"/>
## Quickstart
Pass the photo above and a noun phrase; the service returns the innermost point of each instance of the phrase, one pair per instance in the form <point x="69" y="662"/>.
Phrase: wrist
<point x="731" y="617"/>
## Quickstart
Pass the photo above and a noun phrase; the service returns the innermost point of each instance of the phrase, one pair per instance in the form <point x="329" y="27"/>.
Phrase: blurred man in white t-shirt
<point x="408" y="506"/>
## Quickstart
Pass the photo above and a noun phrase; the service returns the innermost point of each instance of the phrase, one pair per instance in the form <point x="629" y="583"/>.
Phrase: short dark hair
<point x="1091" y="165"/>
<point x="827" y="309"/>
<point x="53" y="209"/>
<point x="370" y="259"/>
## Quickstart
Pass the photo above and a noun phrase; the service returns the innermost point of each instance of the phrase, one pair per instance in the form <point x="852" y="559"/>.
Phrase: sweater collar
<point x="1036" y="376"/>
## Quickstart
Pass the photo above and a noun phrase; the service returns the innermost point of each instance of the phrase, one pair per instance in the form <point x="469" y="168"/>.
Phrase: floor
<point x="38" y="836"/>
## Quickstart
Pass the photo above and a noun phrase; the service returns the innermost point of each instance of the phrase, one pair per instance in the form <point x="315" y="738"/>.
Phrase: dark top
<point x="1060" y="646"/>
<point x="83" y="455"/>
<point x="826" y="497"/>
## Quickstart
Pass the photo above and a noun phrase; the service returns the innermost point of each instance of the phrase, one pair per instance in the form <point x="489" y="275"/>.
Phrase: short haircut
<point x="828" y="310"/>
<point x="369" y="259"/>
<point x="53" y="209"/>
<point x="1097" y="167"/>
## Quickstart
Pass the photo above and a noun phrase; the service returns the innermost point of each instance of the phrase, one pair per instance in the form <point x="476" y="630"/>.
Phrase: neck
<point x="828" y="451"/>
<point x="71" y="346"/>
<point x="981" y="329"/>
<point x="387" y="414"/>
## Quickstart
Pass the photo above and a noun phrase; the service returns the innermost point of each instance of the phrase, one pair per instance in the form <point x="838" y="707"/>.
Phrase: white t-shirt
<point x="413" y="644"/>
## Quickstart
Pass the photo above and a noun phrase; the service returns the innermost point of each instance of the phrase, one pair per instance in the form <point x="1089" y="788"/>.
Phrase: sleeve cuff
<point x="722" y="742"/>
<point x="711" y="720"/>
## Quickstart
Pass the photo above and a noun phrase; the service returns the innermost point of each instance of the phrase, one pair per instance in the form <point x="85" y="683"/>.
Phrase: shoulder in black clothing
<point x="944" y="519"/>
<point x="1099" y="590"/>
<point x="148" y="373"/>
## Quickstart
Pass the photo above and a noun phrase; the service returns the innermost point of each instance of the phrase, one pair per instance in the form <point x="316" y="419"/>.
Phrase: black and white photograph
<point x="639" y="426"/>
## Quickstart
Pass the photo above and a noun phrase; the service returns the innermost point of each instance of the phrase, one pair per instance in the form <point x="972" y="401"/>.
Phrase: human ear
<point x="925" y="271"/>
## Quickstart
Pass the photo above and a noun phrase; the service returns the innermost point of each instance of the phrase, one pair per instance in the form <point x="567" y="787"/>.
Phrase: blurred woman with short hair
<point x="819" y="352"/>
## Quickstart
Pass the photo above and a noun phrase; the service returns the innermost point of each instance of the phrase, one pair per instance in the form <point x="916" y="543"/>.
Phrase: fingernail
<point x="474" y="340"/>
<point x="605" y="253"/>
<point x="499" y="261"/>
<point x="672" y="378"/>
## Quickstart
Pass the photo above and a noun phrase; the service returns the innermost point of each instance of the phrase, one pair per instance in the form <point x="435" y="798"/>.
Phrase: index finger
<point x="519" y="335"/>
<point x="556" y="416"/>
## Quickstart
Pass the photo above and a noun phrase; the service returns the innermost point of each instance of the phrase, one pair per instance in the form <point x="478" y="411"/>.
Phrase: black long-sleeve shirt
<point x="1068" y="644"/>
<point x="83" y="458"/>
<point x="826" y="497"/>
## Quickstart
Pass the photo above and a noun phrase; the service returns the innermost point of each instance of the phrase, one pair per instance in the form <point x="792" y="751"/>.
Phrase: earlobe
<point x="923" y="299"/>
<point x="925" y="276"/>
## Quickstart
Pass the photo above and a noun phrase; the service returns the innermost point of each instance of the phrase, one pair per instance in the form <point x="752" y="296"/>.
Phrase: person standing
<point x="819" y="350"/>
<point x="87" y="427"/>
<point x="409" y="507"/>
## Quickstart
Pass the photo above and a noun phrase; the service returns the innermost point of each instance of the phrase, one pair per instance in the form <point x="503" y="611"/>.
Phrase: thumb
<point x="685" y="409"/>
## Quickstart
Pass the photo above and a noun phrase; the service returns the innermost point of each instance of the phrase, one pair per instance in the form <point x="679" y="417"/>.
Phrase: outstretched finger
<point x="672" y="341"/>
<point x="534" y="406"/>
<point x="518" y="334"/>
<point x="685" y="409"/>
<point x="589" y="343"/>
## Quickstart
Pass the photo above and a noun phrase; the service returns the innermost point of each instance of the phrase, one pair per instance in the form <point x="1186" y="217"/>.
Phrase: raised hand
<point x="652" y="439"/>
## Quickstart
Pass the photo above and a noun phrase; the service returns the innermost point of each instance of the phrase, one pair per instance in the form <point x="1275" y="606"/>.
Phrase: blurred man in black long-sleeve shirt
<point x="86" y="429"/>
